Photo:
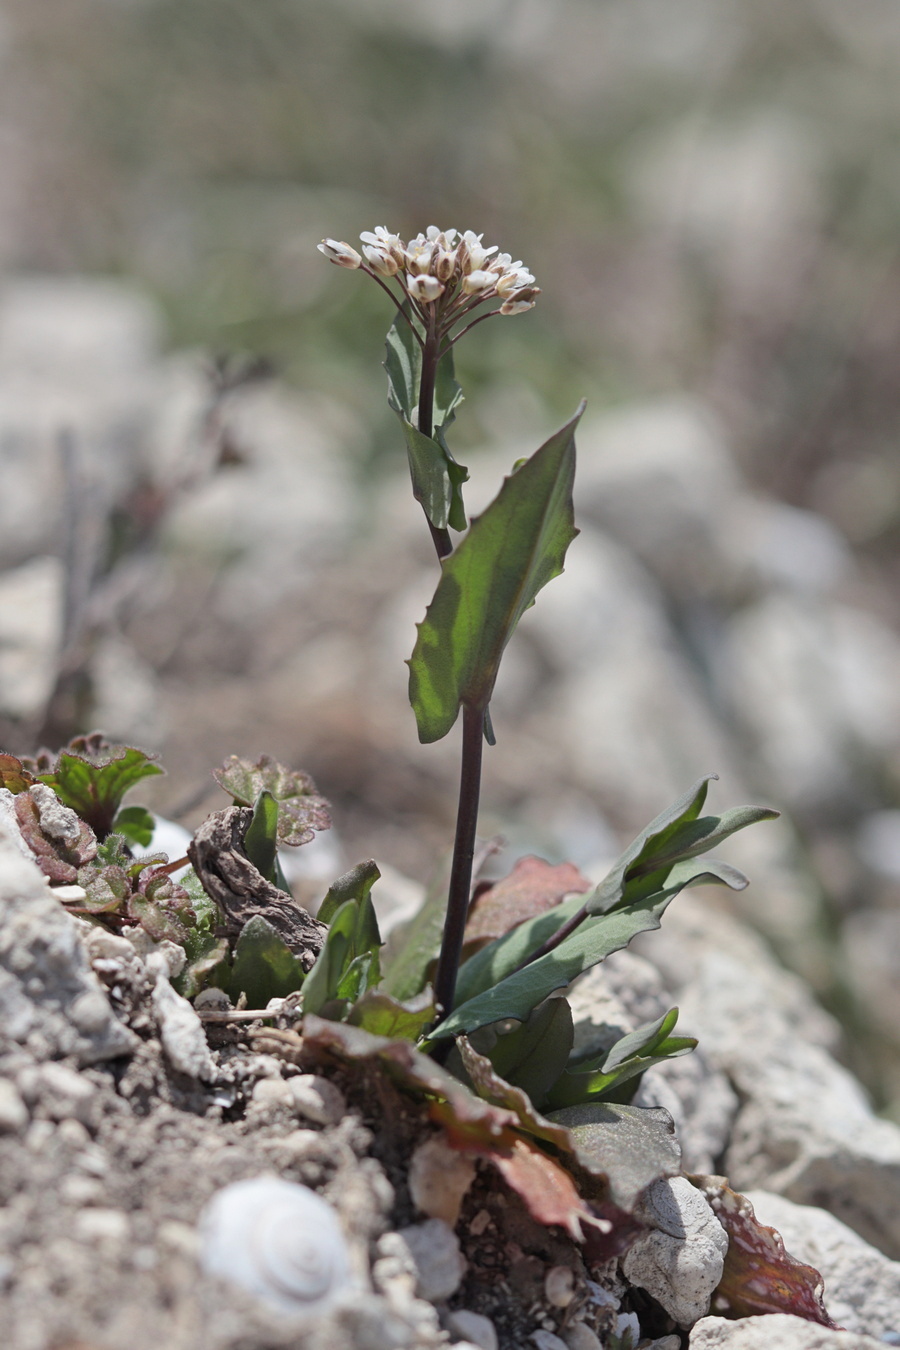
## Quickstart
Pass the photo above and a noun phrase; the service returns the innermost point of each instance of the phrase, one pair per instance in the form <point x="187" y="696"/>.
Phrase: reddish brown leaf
<point x="13" y="774"/>
<point x="494" y="1089"/>
<point x="532" y="887"/>
<point x="547" y="1189"/>
<point x="60" y="842"/>
<point x="759" y="1275"/>
<point x="476" y="1122"/>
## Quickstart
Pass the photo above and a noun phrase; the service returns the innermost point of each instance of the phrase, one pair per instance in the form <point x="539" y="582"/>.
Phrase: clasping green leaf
<point x="511" y="551"/>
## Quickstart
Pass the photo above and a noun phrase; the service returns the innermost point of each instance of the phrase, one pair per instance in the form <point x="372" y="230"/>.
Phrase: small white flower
<point x="476" y="282"/>
<point x="425" y="288"/>
<point x="419" y="256"/>
<point x="387" y="242"/>
<point x="382" y="262"/>
<point x="514" y="281"/>
<point x="337" y="252"/>
<point x="475" y="253"/>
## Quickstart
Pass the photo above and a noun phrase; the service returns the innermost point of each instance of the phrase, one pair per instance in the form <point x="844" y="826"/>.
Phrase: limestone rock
<point x="50" y="999"/>
<point x="680" y="1262"/>
<point x="180" y="1030"/>
<point x="775" y="1331"/>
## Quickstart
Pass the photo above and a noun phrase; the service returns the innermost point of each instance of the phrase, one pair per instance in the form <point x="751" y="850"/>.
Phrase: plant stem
<point x="430" y="356"/>
<point x="463" y="853"/>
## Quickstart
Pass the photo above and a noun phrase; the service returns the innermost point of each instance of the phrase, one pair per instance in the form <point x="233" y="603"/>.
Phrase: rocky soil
<point x="122" y="1116"/>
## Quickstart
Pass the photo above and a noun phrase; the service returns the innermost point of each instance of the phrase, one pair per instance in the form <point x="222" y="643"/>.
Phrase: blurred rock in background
<point x="207" y="541"/>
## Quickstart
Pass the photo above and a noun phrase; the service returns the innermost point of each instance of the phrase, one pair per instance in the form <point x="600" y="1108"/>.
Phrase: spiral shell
<point x="278" y="1241"/>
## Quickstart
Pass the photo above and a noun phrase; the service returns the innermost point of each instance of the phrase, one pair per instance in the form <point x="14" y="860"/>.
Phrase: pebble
<point x="580" y="1337"/>
<point x="473" y="1329"/>
<point x="102" y="1225"/>
<point x="547" y="1340"/>
<point x="316" y="1099"/>
<point x="181" y="1031"/>
<point x="13" y="1111"/>
<point x="559" y="1286"/>
<point x="439" y="1178"/>
<point x="439" y="1263"/>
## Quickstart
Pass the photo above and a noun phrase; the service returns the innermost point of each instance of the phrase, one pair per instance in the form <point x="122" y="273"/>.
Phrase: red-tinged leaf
<point x="13" y="774"/>
<point x="759" y="1275"/>
<point x="611" y="1234"/>
<point x="475" y="1120"/>
<point x="532" y="887"/>
<point x="494" y="1089"/>
<point x="92" y="775"/>
<point x="547" y="1189"/>
<point x="60" y="841"/>
<point x="301" y="810"/>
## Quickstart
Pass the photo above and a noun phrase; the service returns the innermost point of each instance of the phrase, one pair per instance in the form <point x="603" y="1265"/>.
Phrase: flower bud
<point x="521" y="300"/>
<point x="382" y="262"/>
<point x="424" y="288"/>
<point x="444" y="265"/>
<point x="337" y="252"/>
<point x="477" y="282"/>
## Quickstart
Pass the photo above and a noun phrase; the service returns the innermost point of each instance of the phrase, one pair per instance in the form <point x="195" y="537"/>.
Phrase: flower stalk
<point x="436" y="281"/>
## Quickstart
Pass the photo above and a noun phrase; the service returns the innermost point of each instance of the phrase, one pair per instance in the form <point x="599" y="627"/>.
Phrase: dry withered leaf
<point x="532" y="887"/>
<point x="241" y="891"/>
<point x="759" y="1275"/>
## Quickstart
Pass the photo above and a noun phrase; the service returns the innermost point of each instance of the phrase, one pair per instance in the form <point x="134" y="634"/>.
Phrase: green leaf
<point x="501" y="958"/>
<point x="630" y="1145"/>
<point x="625" y="1062"/>
<point x="207" y="954"/>
<point x="353" y="885"/>
<point x="519" y="992"/>
<point x="264" y="966"/>
<point x="412" y="950"/>
<point x="643" y="1040"/>
<point x="403" y="363"/>
<point x="91" y="776"/>
<point x="534" y="1055"/>
<point x="301" y="810"/>
<point x="261" y="837"/>
<point x="136" y="823"/>
<point x="675" y="835"/>
<point x="437" y="479"/>
<point x="382" y="1015"/>
<point x="352" y="935"/>
<point x="511" y="551"/>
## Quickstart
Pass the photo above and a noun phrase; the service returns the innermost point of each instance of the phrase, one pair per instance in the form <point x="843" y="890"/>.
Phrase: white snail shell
<point x="278" y="1241"/>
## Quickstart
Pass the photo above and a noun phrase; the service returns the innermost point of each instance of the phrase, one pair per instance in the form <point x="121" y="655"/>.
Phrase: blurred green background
<point x="707" y="191"/>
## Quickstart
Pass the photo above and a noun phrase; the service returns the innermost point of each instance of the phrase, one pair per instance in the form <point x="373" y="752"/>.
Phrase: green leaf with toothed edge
<point x="482" y="999"/>
<point x="510" y="552"/>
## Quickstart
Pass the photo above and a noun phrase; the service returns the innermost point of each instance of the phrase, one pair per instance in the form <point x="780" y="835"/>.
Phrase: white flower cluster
<point x="441" y="267"/>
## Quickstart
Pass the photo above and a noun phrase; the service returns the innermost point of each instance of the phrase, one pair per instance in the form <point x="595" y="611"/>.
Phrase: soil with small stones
<point x="105" y="1170"/>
